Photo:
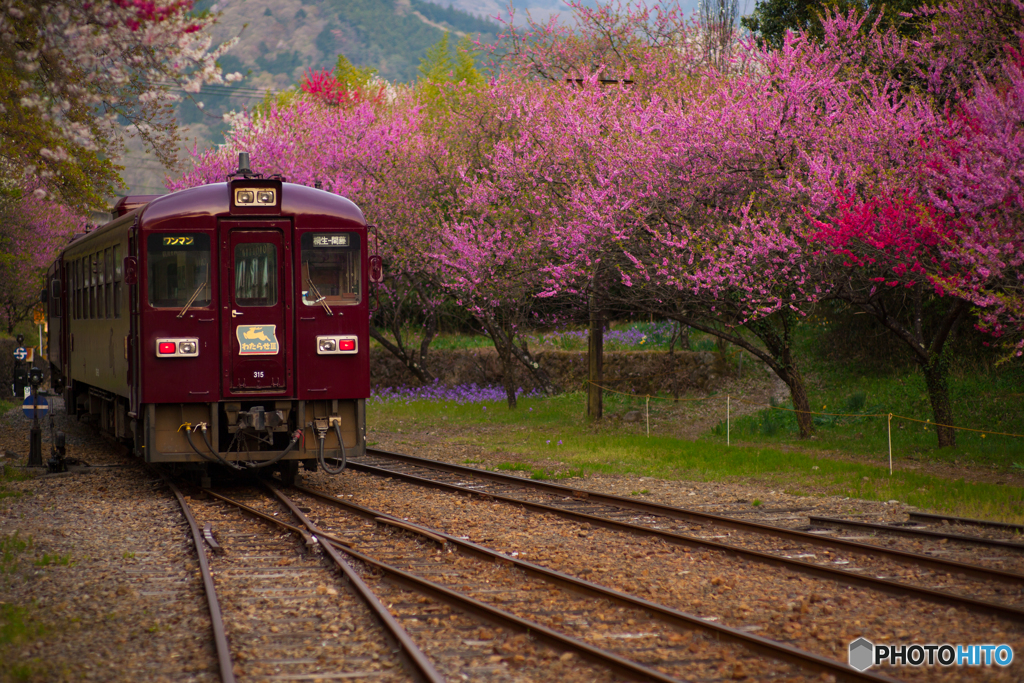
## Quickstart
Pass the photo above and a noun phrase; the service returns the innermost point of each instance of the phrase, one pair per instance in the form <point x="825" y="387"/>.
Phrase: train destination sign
<point x="330" y="240"/>
<point x="257" y="340"/>
<point x="179" y="241"/>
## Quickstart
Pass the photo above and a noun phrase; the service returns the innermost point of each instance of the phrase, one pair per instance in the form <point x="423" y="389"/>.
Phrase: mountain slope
<point x="279" y="40"/>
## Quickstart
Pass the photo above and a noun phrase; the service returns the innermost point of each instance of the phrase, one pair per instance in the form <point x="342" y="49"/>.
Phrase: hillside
<point x="279" y="40"/>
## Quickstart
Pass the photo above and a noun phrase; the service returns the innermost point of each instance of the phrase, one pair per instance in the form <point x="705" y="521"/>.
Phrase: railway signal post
<point x="19" y="378"/>
<point x="35" y="441"/>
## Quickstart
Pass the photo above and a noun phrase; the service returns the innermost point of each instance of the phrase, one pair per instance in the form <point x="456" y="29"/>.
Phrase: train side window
<point x="108" y="287"/>
<point x="78" y="289"/>
<point x="118" y="267"/>
<point x="101" y="278"/>
<point x="80" y="275"/>
<point x="331" y="268"/>
<point x="178" y="269"/>
<point x="256" y="274"/>
<point x="72" y="290"/>
<point x="94" y="264"/>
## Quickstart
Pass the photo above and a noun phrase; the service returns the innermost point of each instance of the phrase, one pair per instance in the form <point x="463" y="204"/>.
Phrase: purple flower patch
<point x="461" y="394"/>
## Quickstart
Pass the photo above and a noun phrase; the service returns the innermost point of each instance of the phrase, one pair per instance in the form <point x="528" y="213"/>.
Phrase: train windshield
<point x="256" y="274"/>
<point x="179" y="270"/>
<point x="330" y="269"/>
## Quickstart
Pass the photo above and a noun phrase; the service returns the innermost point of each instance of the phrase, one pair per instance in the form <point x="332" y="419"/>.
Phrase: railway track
<point x="635" y="637"/>
<point x="276" y="612"/>
<point x="873" y="530"/>
<point x="473" y="613"/>
<point x="917" y="525"/>
<point x="270" y="601"/>
<point x="980" y="589"/>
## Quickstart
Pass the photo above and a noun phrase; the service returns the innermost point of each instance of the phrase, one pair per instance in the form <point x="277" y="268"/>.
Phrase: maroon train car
<point x="225" y="323"/>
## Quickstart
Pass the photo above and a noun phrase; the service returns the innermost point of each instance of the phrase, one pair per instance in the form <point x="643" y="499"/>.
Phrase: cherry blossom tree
<point x="892" y="188"/>
<point x="32" y="232"/>
<point x="974" y="176"/>
<point x="75" y="73"/>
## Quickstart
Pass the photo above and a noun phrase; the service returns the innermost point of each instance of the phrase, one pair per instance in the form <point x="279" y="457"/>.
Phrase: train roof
<point x="130" y="203"/>
<point x="214" y="201"/>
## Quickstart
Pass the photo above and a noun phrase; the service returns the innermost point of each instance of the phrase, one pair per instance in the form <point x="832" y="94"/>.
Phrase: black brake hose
<point x="216" y="456"/>
<point x="291" y="446"/>
<point x="341" y="445"/>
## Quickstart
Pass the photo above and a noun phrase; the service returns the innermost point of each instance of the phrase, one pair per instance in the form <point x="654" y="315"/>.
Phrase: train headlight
<point x="177" y="348"/>
<point x="334" y="344"/>
<point x="244" y="197"/>
<point x="265" y="197"/>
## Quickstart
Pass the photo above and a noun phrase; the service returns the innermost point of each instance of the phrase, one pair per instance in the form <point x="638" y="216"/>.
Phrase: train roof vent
<point x="130" y="203"/>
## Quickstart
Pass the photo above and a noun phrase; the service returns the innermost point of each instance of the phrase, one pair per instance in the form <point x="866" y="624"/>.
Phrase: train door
<point x="255" y="308"/>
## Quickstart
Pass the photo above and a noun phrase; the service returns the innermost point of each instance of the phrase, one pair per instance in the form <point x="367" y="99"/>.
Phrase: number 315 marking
<point x="258" y="374"/>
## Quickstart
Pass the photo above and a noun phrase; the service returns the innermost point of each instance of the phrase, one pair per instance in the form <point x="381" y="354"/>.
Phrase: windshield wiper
<point x="320" y="298"/>
<point x="192" y="299"/>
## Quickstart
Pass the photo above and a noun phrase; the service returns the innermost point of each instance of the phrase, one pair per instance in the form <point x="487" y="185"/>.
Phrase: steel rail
<point x="911" y="532"/>
<point x="894" y="588"/>
<point x="419" y="665"/>
<point x="484" y="610"/>
<point x="674" y="617"/>
<point x="966" y="521"/>
<point x="220" y="639"/>
<point x="661" y="510"/>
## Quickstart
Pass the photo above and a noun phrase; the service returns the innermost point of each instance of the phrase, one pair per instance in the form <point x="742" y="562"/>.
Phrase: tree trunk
<point x="504" y="343"/>
<point x="930" y="354"/>
<point x="507" y="366"/>
<point x="936" y="379"/>
<point x="777" y="354"/>
<point x="595" y="363"/>
<point x="408" y="359"/>
<point x="539" y="374"/>
<point x="798" y="393"/>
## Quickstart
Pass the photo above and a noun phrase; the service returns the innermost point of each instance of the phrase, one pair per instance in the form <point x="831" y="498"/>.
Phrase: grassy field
<point x="848" y="456"/>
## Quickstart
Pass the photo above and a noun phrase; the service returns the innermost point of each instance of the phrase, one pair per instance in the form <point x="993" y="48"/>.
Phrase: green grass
<point x="11" y="474"/>
<point x="47" y="559"/>
<point x="17" y="626"/>
<point x="773" y="457"/>
<point x="853" y="417"/>
<point x="11" y="548"/>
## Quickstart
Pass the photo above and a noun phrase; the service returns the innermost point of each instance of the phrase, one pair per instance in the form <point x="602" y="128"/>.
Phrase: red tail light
<point x="187" y="347"/>
<point x="335" y="343"/>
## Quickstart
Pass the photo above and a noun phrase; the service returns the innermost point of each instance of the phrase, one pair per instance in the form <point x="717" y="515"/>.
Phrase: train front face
<point x="253" y="322"/>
